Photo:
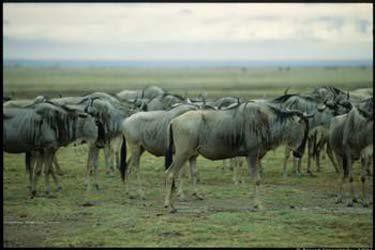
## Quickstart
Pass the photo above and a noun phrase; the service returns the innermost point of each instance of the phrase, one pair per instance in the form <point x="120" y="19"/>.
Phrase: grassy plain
<point x="297" y="211"/>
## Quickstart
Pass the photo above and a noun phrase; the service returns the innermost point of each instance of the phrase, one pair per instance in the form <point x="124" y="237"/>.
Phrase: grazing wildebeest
<point x="324" y="113"/>
<point x="249" y="130"/>
<point x="39" y="130"/>
<point x="349" y="135"/>
<point x="147" y="131"/>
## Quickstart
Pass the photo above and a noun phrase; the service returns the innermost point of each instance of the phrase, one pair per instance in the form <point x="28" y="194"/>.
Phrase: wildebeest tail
<point x="123" y="164"/>
<point x="169" y="153"/>
<point x="28" y="162"/>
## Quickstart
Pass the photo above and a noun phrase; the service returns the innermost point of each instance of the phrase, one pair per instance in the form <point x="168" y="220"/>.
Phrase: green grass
<point x="254" y="82"/>
<point x="297" y="211"/>
<point x="223" y="218"/>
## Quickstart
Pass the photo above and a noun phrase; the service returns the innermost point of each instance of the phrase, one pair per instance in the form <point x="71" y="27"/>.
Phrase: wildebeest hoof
<point x="364" y="203"/>
<point x="33" y="194"/>
<point x="257" y="206"/>
<point x="197" y="196"/>
<point x="131" y="196"/>
<point x="59" y="189"/>
<point x="172" y="210"/>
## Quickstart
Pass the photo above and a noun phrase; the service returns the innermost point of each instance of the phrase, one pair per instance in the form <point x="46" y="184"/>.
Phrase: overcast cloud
<point x="188" y="31"/>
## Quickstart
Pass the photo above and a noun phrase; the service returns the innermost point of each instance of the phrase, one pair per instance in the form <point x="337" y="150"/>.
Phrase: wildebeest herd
<point x="182" y="128"/>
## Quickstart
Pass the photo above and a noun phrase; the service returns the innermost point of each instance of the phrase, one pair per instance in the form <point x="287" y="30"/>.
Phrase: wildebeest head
<point x="98" y="110"/>
<point x="87" y="128"/>
<point x="298" y="131"/>
<point x="366" y="108"/>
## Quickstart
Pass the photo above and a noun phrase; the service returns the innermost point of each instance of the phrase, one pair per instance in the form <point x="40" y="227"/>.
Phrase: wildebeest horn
<point x="211" y="107"/>
<point x="309" y="115"/>
<point x="321" y="107"/>
<point x="365" y="113"/>
<point x="286" y="90"/>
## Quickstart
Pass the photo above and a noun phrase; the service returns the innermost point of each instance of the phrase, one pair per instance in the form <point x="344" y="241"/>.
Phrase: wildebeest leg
<point x="116" y="156"/>
<point x="235" y="171"/>
<point x="48" y="159"/>
<point x="343" y="177"/>
<point x="286" y="157"/>
<point x="351" y="180"/>
<point x="180" y="192"/>
<point x="324" y="149"/>
<point x="309" y="156"/>
<point x="317" y="160"/>
<point x="332" y="159"/>
<point x="108" y="158"/>
<point x="57" y="166"/>
<point x="297" y="165"/>
<point x="52" y="172"/>
<point x="33" y="162"/>
<point x="260" y="167"/>
<point x="136" y="159"/>
<point x="225" y="164"/>
<point x="363" y="180"/>
<point x="171" y="174"/>
<point x="95" y="165"/>
<point x="36" y="171"/>
<point x="194" y="175"/>
<point x="253" y="170"/>
<point x="92" y="165"/>
<point x="88" y="167"/>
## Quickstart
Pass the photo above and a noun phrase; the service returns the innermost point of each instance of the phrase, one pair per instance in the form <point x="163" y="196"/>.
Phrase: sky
<point x="187" y="31"/>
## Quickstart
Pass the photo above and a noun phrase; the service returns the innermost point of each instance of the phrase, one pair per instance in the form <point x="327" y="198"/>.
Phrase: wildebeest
<point x="147" y="131"/>
<point x="39" y="130"/>
<point x="324" y="113"/>
<point x="249" y="130"/>
<point x="21" y="103"/>
<point x="110" y="114"/>
<point x="349" y="135"/>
